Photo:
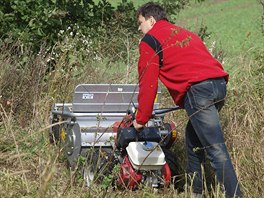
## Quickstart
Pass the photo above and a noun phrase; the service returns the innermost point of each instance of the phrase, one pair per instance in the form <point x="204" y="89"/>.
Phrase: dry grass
<point x="31" y="167"/>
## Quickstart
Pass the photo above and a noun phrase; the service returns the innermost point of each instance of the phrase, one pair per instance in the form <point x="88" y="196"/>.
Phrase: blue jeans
<point x="204" y="135"/>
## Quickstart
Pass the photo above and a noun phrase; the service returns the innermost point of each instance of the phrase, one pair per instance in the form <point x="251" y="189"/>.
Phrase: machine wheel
<point x="99" y="164"/>
<point x="72" y="144"/>
<point x="172" y="161"/>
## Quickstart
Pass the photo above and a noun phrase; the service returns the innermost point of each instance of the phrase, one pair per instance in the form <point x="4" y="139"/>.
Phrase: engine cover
<point x="146" y="156"/>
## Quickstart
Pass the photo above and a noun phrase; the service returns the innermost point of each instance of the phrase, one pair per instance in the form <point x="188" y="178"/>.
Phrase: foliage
<point x="68" y="35"/>
<point x="35" y="21"/>
<point x="31" y="80"/>
<point x="173" y="7"/>
<point x="41" y="171"/>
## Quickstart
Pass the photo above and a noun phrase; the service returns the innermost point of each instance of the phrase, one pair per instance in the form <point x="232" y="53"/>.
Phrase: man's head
<point x="148" y="14"/>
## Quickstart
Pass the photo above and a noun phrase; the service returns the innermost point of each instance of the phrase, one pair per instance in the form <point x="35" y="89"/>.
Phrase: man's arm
<point x="148" y="71"/>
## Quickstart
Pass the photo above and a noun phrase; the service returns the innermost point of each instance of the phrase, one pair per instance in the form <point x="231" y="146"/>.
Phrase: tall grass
<point x="32" y="167"/>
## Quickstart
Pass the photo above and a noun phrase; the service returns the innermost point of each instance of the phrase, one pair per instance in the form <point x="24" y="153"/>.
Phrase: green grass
<point x="31" y="167"/>
<point x="235" y="24"/>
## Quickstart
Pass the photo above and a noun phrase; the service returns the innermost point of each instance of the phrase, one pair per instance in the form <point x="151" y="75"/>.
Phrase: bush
<point x="35" y="21"/>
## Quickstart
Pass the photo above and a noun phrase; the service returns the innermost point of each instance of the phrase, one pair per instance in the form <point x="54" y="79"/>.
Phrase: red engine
<point x="166" y="174"/>
<point x="131" y="178"/>
<point x="128" y="176"/>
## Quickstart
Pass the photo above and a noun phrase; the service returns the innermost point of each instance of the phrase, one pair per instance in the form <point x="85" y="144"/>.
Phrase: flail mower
<point x="97" y="127"/>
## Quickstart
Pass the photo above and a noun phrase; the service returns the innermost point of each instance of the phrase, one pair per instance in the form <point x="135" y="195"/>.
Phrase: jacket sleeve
<point x="148" y="73"/>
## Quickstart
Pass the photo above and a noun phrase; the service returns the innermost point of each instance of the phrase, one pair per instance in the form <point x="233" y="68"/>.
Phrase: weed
<point x="29" y="83"/>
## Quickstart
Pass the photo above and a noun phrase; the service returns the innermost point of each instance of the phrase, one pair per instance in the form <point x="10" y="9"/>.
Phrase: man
<point x="196" y="82"/>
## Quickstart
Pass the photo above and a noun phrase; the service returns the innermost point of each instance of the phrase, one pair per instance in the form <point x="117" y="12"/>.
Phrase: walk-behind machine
<point x="98" y="137"/>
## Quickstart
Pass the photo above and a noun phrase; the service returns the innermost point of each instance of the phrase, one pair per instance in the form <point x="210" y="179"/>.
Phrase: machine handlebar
<point x="164" y="110"/>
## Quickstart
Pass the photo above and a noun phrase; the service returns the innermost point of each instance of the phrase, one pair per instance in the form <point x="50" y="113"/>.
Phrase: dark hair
<point x="152" y="9"/>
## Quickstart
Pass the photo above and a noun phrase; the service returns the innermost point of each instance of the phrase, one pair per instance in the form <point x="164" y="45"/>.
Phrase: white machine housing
<point x="143" y="159"/>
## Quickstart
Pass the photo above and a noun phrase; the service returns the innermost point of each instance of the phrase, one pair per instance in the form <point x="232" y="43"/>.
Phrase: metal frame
<point x="96" y="107"/>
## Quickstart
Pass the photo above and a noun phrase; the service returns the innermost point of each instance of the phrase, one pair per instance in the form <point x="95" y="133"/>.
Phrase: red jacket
<point x="181" y="60"/>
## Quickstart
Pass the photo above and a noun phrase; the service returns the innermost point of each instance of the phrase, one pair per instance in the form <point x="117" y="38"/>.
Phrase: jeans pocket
<point x="222" y="90"/>
<point x="202" y="94"/>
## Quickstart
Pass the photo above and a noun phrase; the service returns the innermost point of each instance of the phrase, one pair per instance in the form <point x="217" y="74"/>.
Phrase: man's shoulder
<point x="161" y="25"/>
<point x="154" y="43"/>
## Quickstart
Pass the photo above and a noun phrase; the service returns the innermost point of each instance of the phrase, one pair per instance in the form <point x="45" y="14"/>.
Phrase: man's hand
<point x="137" y="126"/>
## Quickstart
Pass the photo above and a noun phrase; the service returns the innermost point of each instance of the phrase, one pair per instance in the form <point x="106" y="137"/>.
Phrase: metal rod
<point x="71" y="114"/>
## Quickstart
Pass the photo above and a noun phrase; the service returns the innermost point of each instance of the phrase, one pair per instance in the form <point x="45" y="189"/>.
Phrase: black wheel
<point x="98" y="165"/>
<point x="174" y="166"/>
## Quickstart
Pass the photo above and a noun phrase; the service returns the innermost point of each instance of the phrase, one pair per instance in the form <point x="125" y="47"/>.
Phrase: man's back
<point x="185" y="59"/>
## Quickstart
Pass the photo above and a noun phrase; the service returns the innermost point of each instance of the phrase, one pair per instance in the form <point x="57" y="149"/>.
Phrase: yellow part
<point x="156" y="99"/>
<point x="62" y="134"/>
<point x="174" y="133"/>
